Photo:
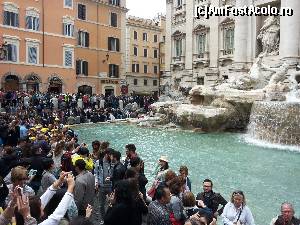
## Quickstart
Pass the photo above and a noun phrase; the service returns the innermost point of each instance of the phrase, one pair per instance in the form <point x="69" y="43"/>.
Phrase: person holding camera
<point x="236" y="212"/>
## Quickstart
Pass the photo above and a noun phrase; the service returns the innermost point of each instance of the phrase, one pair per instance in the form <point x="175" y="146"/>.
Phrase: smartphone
<point x="32" y="172"/>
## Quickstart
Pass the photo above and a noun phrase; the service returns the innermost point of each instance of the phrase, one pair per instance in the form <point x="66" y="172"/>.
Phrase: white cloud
<point x="146" y="8"/>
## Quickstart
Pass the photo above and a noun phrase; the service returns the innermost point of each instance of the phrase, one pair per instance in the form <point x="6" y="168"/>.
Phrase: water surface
<point x="267" y="176"/>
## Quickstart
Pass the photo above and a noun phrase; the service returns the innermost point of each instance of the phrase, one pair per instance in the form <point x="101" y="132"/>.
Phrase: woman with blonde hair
<point x="236" y="211"/>
<point x="19" y="177"/>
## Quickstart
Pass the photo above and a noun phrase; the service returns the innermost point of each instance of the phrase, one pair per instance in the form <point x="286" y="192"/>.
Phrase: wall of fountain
<point x="275" y="122"/>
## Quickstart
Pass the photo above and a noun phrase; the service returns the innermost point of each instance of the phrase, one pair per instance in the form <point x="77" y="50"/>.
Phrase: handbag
<point x="173" y="220"/>
<point x="152" y="190"/>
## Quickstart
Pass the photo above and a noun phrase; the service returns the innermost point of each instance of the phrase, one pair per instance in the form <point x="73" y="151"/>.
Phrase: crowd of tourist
<point x="47" y="177"/>
<point x="74" y="108"/>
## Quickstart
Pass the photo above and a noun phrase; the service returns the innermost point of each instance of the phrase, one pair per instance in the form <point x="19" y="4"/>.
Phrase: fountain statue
<point x="266" y="99"/>
<point x="269" y="36"/>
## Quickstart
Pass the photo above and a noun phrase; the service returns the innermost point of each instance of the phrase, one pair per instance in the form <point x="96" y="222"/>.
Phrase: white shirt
<point x="231" y="213"/>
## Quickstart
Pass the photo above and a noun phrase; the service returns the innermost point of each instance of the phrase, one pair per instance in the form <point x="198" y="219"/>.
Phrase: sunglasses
<point x="238" y="193"/>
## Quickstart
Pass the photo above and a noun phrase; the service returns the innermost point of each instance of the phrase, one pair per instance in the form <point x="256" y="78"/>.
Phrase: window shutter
<point x="109" y="43"/>
<point x="116" y="71"/>
<point x="133" y="68"/>
<point x="79" y="37"/>
<point x="137" y="68"/>
<point x="34" y="55"/>
<point x="83" y="12"/>
<point x="14" y="53"/>
<point x="79" y="11"/>
<point x="30" y="55"/>
<point x="17" y="20"/>
<point x="110" y="70"/>
<point x="28" y="22"/>
<point x="9" y="52"/>
<point x="118" y="44"/>
<point x="86" y="68"/>
<point x="37" y="23"/>
<point x="6" y="18"/>
<point x="87" y="39"/>
<point x="77" y="67"/>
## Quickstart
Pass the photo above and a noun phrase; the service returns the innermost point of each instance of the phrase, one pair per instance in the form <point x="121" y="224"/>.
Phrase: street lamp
<point x="3" y="50"/>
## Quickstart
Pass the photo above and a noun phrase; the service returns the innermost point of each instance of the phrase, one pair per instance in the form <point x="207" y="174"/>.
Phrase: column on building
<point x="240" y="36"/>
<point x="290" y="32"/>
<point x="214" y="37"/>
<point x="189" y="38"/>
<point x="168" y="44"/>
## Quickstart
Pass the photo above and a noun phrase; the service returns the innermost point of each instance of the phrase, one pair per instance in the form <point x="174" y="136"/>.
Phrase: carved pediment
<point x="200" y="28"/>
<point x="178" y="35"/>
<point x="227" y="21"/>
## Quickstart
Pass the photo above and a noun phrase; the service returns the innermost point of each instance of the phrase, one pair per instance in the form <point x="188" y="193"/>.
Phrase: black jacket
<point x="213" y="201"/>
<point x="280" y="221"/>
<point x="118" y="173"/>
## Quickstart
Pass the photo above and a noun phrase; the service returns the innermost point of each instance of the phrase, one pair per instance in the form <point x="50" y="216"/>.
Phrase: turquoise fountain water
<point x="267" y="176"/>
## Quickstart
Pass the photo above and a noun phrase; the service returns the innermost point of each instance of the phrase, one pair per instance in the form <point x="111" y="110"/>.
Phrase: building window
<point x="145" y="82"/>
<point x="114" y="19"/>
<point x="114" y="2"/>
<point x="82" y="67"/>
<point x="113" y="44"/>
<point x="135" y="81"/>
<point x="178" y="48"/>
<point x="154" y="82"/>
<point x="200" y="80"/>
<point x="155" y="69"/>
<point x="12" y="53"/>
<point x="145" y="68"/>
<point x="83" y="39"/>
<point x="81" y="12"/>
<point x="145" y="37"/>
<point x="113" y="70"/>
<point x="135" y="51"/>
<point x="155" y="53"/>
<point x="68" y="29"/>
<point x="68" y="57"/>
<point x="228" y="41"/>
<point x="179" y="3"/>
<point x="32" y="56"/>
<point x="68" y="3"/>
<point x="201" y="45"/>
<point x="155" y="38"/>
<point x="11" y="19"/>
<point x="135" y="68"/>
<point x="135" y="35"/>
<point x="145" y="52"/>
<point x="32" y="23"/>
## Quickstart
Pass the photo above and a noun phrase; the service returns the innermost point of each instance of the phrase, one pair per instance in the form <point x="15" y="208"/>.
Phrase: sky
<point x="146" y="8"/>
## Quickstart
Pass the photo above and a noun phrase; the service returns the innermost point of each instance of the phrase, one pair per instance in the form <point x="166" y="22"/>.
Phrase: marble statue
<point x="270" y="36"/>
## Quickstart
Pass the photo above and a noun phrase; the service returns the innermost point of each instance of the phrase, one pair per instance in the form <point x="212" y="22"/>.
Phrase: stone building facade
<point x="203" y="51"/>
<point x="144" y="43"/>
<point x="66" y="46"/>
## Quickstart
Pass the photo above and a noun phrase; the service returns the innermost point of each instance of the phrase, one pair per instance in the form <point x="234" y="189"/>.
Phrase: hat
<point x="39" y="126"/>
<point x="44" y="130"/>
<point x="164" y="158"/>
<point x="32" y="138"/>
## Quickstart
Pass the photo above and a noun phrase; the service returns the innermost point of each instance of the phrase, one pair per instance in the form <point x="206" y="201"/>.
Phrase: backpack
<point x="66" y="162"/>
